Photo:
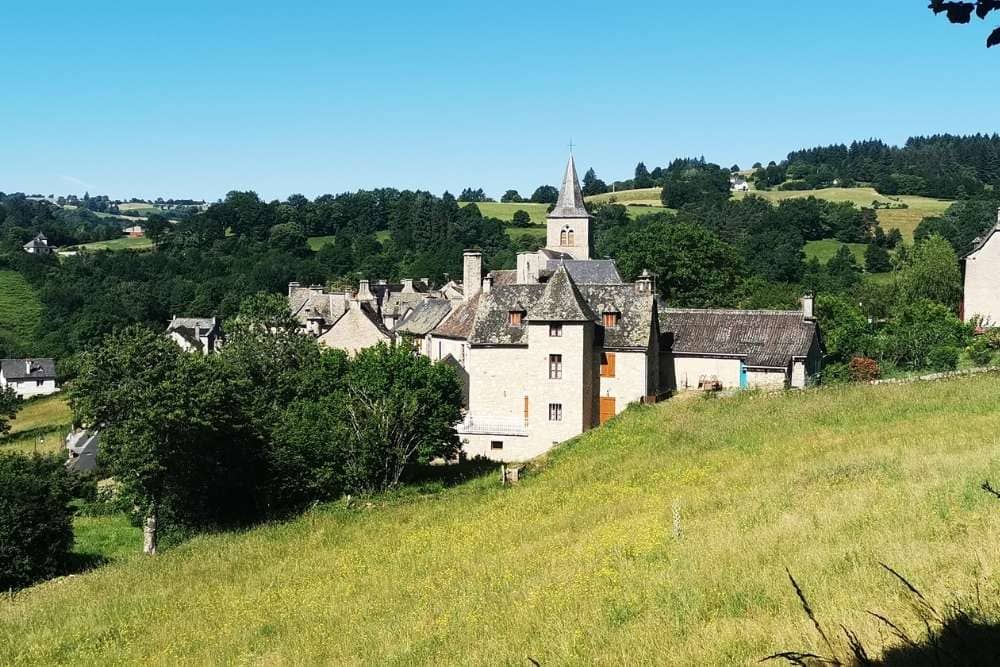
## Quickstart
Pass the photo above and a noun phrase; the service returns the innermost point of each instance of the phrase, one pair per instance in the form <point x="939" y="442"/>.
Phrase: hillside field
<point x="20" y="309"/>
<point x="825" y="249"/>
<point x="662" y="537"/>
<point x="506" y="212"/>
<point x="123" y="243"/>
<point x="41" y="426"/>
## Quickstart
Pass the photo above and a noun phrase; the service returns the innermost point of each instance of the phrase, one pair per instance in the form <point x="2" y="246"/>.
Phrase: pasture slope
<point x="20" y="309"/>
<point x="662" y="537"/>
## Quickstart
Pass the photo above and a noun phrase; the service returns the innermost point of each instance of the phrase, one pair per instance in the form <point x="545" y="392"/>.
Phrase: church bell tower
<point x="569" y="223"/>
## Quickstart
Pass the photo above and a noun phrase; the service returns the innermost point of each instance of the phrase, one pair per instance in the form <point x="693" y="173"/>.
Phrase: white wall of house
<point x="982" y="283"/>
<point x="353" y="332"/>
<point x="438" y="348"/>
<point x="630" y="383"/>
<point x="30" y="388"/>
<point x="768" y="378"/>
<point x="688" y="370"/>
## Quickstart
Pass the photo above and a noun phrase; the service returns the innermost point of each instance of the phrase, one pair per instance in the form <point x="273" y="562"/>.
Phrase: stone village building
<point x="981" y="298"/>
<point x="561" y="344"/>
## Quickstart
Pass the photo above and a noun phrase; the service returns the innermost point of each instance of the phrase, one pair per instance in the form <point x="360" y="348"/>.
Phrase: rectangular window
<point x="555" y="366"/>
<point x="607" y="364"/>
<point x="555" y="412"/>
<point x="610" y="320"/>
<point x="496" y="444"/>
<point x="555" y="330"/>
<point x="515" y="318"/>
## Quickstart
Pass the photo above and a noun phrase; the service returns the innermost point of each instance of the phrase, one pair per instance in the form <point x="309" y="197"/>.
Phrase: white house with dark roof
<point x="29" y="377"/>
<point x="39" y="245"/>
<point x="981" y="287"/>
<point x="195" y="334"/>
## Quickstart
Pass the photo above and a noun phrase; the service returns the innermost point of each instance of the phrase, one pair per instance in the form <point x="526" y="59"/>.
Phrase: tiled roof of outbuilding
<point x="589" y="271"/>
<point x="307" y="303"/>
<point x="28" y="369"/>
<point x="764" y="338"/>
<point x="461" y="321"/>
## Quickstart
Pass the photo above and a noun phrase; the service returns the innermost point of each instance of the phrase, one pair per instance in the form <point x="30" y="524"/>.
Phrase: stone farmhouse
<point x="561" y="344"/>
<point x="39" y="246"/>
<point x="29" y="377"/>
<point x="981" y="298"/>
<point x="195" y="334"/>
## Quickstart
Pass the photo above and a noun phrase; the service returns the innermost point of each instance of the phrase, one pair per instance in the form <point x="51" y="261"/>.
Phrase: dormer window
<point x="515" y="318"/>
<point x="566" y="236"/>
<point x="611" y="317"/>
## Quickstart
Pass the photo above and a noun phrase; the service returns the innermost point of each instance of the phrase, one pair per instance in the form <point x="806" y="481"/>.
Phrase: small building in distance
<point x="738" y="184"/>
<point x="981" y="279"/>
<point x="195" y="334"/>
<point x="134" y="232"/>
<point x="39" y="246"/>
<point x="29" y="377"/>
<point x="81" y="448"/>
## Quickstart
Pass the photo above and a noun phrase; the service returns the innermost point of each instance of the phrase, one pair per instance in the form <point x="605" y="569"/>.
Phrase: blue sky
<point x="193" y="99"/>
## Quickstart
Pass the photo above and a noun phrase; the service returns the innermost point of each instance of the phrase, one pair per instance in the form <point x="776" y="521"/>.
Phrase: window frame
<point x="611" y="320"/>
<point x="555" y="412"/>
<point x="555" y="331"/>
<point x="496" y="445"/>
<point x="555" y="367"/>
<point x="608" y="360"/>
<point x="515" y="319"/>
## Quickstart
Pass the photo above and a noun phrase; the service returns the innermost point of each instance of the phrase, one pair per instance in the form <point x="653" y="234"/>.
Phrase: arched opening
<point x="566" y="236"/>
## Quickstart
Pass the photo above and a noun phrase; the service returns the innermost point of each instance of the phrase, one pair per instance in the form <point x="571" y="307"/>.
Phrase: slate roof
<point x="560" y="301"/>
<point x="763" y="338"/>
<point x="38" y="242"/>
<point x="307" y="303"/>
<point x="570" y="203"/>
<point x="15" y="370"/>
<point x="504" y="277"/>
<point x="589" y="271"/>
<point x="980" y="241"/>
<point x="424" y="317"/>
<point x="461" y="321"/>
<point x="564" y="301"/>
<point x="192" y="328"/>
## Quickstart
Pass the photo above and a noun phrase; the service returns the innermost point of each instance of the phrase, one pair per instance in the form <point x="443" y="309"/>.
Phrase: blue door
<point x="744" y="377"/>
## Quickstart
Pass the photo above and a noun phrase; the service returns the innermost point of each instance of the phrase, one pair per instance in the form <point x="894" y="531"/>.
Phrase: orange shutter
<point x="607" y="364"/>
<point x="525" y="410"/>
<point x="607" y="408"/>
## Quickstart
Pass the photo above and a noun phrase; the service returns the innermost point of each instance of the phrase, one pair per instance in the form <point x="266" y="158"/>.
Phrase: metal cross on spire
<point x="571" y="145"/>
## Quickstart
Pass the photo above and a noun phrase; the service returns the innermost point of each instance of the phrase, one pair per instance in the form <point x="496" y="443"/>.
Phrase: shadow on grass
<point x="451" y="474"/>
<point x="954" y="637"/>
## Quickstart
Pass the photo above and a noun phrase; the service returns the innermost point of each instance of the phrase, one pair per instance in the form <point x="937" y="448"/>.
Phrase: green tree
<point x="961" y="12"/>
<point x="511" y="197"/>
<point x="157" y="227"/>
<point x="846" y="331"/>
<point x="694" y="183"/>
<point x="545" y="194"/>
<point x="399" y="409"/>
<point x="288" y="237"/>
<point x="163" y="416"/>
<point x="843" y="269"/>
<point x="925" y="334"/>
<point x="877" y="259"/>
<point x="521" y="219"/>
<point x="694" y="267"/>
<point x="592" y="185"/>
<point x="931" y="272"/>
<point x="36" y="530"/>
<point x="642" y="178"/>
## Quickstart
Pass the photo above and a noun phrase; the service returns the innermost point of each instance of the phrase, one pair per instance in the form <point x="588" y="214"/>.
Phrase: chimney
<point x="808" y="303"/>
<point x="408" y="286"/>
<point x="27" y="366"/>
<point x="646" y="283"/>
<point x="364" y="293"/>
<point x="488" y="283"/>
<point x="292" y="287"/>
<point x="472" y="273"/>
<point x="426" y="282"/>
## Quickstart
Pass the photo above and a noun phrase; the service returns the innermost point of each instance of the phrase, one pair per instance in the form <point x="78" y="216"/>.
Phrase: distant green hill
<point x="20" y="309"/>
<point x="662" y="537"/>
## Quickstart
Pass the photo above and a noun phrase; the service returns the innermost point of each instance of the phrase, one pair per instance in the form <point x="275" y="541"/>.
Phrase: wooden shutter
<point x="607" y="364"/>
<point x="607" y="408"/>
<point x="525" y="410"/>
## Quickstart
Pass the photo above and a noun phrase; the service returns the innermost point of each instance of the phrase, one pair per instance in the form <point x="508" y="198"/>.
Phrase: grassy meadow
<point x="41" y="426"/>
<point x="20" y="309"/>
<point x="123" y="243"/>
<point x="662" y="537"/>
<point x="825" y="249"/>
<point x="506" y="212"/>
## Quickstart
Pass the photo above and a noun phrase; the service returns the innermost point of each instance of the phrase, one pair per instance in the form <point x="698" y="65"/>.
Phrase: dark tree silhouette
<point x="961" y="12"/>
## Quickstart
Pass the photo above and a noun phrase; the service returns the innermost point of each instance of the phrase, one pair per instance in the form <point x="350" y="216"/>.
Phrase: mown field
<point x="41" y="426"/>
<point x="662" y="538"/>
<point x="20" y="309"/>
<point x="123" y="243"/>
<point x="506" y="212"/>
<point x="825" y="249"/>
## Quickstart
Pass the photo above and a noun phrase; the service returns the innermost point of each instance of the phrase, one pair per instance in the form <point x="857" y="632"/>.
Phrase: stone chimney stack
<point x="646" y="283"/>
<point x="364" y="291"/>
<point x="292" y="287"/>
<point x="808" y="307"/>
<point x="27" y="366"/>
<point x="408" y="286"/>
<point x="472" y="273"/>
<point x="487" y="283"/>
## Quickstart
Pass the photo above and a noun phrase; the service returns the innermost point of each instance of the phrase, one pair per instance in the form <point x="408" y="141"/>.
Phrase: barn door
<point x="607" y="408"/>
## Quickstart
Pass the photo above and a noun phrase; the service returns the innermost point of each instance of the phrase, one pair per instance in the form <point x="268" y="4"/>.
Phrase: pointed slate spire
<point x="561" y="301"/>
<point x="570" y="203"/>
